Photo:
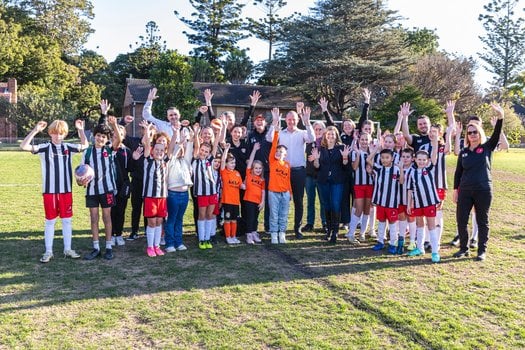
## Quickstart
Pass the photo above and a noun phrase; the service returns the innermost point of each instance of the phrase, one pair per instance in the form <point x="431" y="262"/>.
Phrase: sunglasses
<point x="473" y="132"/>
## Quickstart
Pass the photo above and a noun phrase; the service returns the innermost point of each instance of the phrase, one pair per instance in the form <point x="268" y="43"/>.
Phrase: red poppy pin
<point x="441" y="149"/>
<point x="479" y="150"/>
<point x="105" y="154"/>
<point x="208" y="164"/>
<point x="425" y="172"/>
<point x="66" y="152"/>
<point x="394" y="177"/>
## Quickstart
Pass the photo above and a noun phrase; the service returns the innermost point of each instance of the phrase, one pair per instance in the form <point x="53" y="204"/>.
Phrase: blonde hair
<point x="324" y="143"/>
<point x="477" y="126"/>
<point x="58" y="127"/>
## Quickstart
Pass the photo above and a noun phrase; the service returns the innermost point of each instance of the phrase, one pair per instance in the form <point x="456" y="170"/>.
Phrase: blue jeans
<point x="279" y="203"/>
<point x="177" y="204"/>
<point x="311" y="187"/>
<point x="331" y="195"/>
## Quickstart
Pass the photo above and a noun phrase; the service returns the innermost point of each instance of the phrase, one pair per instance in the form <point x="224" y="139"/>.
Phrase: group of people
<point x="231" y="173"/>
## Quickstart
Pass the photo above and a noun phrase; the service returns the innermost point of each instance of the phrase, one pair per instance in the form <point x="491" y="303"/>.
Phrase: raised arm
<point x="448" y="138"/>
<point x="146" y="112"/>
<point x="494" y="138"/>
<point x="174" y="146"/>
<point x="104" y="108"/>
<point x="255" y="148"/>
<point x="79" y="124"/>
<point x="434" y="143"/>
<point x="200" y="113"/>
<point x="457" y="138"/>
<point x="26" y="143"/>
<point x="146" y="138"/>
<point x="405" y="112"/>
<point x="196" y="140"/>
<point x="449" y="111"/>
<point x="112" y="121"/>
<point x="208" y="96"/>
<point x="305" y="117"/>
<point x="503" y="143"/>
<point x="323" y="102"/>
<point x="399" y="121"/>
<point x="224" y="156"/>
<point x="254" y="98"/>
<point x="366" y="107"/>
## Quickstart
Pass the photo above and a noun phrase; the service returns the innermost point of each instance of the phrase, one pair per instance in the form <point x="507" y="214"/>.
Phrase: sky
<point x="118" y="24"/>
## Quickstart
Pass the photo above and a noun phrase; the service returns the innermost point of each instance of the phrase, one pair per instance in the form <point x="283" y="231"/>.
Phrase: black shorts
<point x="106" y="200"/>
<point x="231" y="211"/>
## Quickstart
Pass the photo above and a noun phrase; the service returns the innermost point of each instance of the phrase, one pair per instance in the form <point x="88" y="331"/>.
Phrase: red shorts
<point x="155" y="207"/>
<point x="383" y="214"/>
<point x="58" y="204"/>
<point x="403" y="209"/>
<point x="442" y="194"/>
<point x="205" y="201"/>
<point x="363" y="191"/>
<point x="428" y="212"/>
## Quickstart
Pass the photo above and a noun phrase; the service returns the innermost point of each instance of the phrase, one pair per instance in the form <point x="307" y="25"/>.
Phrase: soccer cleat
<point x="120" y="241"/>
<point x="353" y="241"/>
<point x="362" y="237"/>
<point x="461" y="253"/>
<point x="235" y="240"/>
<point x="151" y="252"/>
<point x="208" y="244"/>
<point x="373" y="234"/>
<point x="108" y="254"/>
<point x="256" y="237"/>
<point x="158" y="251"/>
<point x="202" y="245"/>
<point x="435" y="258"/>
<point x="274" y="238"/>
<point x="411" y="246"/>
<point x="229" y="240"/>
<point x="392" y="249"/>
<point x="46" y="257"/>
<point x="282" y="237"/>
<point x="415" y="252"/>
<point x="71" y="254"/>
<point x="92" y="255"/>
<point x="308" y="228"/>
<point x="378" y="246"/>
<point x="455" y="241"/>
<point x="170" y="249"/>
<point x="183" y="247"/>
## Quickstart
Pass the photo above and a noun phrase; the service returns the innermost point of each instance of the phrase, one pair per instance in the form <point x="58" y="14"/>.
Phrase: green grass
<point x="306" y="294"/>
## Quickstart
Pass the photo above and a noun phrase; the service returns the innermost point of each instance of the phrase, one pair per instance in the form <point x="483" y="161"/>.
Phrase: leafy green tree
<point x="217" y="27"/>
<point x="238" y="67"/>
<point x="504" y="40"/>
<point x="512" y="125"/>
<point x="201" y="70"/>
<point x="422" y="41"/>
<point x="171" y="75"/>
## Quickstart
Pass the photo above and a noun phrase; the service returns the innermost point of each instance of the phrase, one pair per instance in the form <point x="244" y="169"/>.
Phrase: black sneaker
<point x="427" y="246"/>
<point x="473" y="244"/>
<point x="455" y="241"/>
<point x="308" y="228"/>
<point x="132" y="237"/>
<point x="298" y="234"/>
<point x="93" y="255"/>
<point x="108" y="254"/>
<point x="461" y="253"/>
<point x="481" y="257"/>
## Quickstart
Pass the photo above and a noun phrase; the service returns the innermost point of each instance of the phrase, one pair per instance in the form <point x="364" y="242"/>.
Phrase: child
<point x="55" y="158"/>
<point x="231" y="185"/>
<point x="387" y="181"/>
<point x="101" y="190"/>
<point x="423" y="198"/>
<point x="407" y="160"/>
<point x="279" y="187"/>
<point x="254" y="195"/>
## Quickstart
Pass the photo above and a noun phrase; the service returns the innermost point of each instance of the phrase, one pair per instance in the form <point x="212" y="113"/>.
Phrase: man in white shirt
<point x="172" y="114"/>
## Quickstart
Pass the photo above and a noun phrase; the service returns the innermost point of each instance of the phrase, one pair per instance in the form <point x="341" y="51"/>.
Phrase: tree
<point x="343" y="45"/>
<point x="504" y="41"/>
<point x="171" y="75"/>
<point x="422" y="41"/>
<point x="512" y="126"/>
<point x="269" y="27"/>
<point x="201" y="70"/>
<point x="217" y="27"/>
<point x="237" y="67"/>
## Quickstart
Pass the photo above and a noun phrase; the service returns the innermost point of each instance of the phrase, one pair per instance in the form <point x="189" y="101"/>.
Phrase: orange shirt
<point x="254" y="187"/>
<point x="279" y="170"/>
<point x="231" y="183"/>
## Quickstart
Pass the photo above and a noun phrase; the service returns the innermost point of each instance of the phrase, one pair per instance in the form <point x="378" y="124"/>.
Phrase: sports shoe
<point x="427" y="246"/>
<point x="235" y="240"/>
<point x="282" y="237"/>
<point x="373" y="234"/>
<point x="71" y="254"/>
<point x="249" y="238"/>
<point x="392" y="249"/>
<point x="411" y="246"/>
<point x="481" y="257"/>
<point x="308" y="228"/>
<point x="108" y="254"/>
<point x="46" y="257"/>
<point x="229" y="240"/>
<point x="274" y="238"/>
<point x="473" y="244"/>
<point x="158" y="251"/>
<point x="208" y="245"/>
<point x="400" y="246"/>
<point x="112" y="240"/>
<point x="94" y="254"/>
<point x="202" y="245"/>
<point x="415" y="252"/>
<point x="461" y="253"/>
<point x="362" y="237"/>
<point x="455" y="241"/>
<point x="378" y="246"/>
<point x="151" y="252"/>
<point x="170" y="249"/>
<point x="132" y="237"/>
<point x="120" y="241"/>
<point x="353" y="241"/>
<point x="256" y="237"/>
<point x="162" y="241"/>
<point x="182" y="247"/>
<point x="298" y="234"/>
<point x="435" y="258"/>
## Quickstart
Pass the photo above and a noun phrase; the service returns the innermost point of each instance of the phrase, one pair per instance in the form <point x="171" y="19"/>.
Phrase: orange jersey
<point x="231" y="183"/>
<point x="254" y="187"/>
<point x="280" y="171"/>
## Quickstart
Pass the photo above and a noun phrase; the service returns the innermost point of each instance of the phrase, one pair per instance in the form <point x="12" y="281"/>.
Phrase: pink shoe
<point x="159" y="251"/>
<point x="151" y="252"/>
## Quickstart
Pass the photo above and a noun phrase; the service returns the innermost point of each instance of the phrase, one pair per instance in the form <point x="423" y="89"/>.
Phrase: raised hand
<point x="315" y="153"/>
<point x="345" y="151"/>
<point x="366" y="95"/>
<point x="256" y="146"/>
<point x="144" y="125"/>
<point x="40" y="126"/>
<point x="306" y="115"/>
<point x="459" y="127"/>
<point x="227" y="147"/>
<point x="449" y="109"/>
<point x="373" y="147"/>
<point x="104" y="106"/>
<point x="254" y="97"/>
<point x="137" y="153"/>
<point x="405" y="109"/>
<point x="208" y="95"/>
<point x="128" y="119"/>
<point x="323" y="102"/>
<point x="276" y="116"/>
<point x="493" y="120"/>
<point x="203" y="109"/>
<point x="112" y="120"/>
<point x="152" y="94"/>
<point x="299" y="107"/>
<point x="498" y="109"/>
<point x="79" y="124"/>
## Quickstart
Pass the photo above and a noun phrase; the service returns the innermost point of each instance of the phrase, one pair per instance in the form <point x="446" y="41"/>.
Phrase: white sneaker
<point x="46" y="257"/>
<point x="229" y="240"/>
<point x="352" y="240"/>
<point x="162" y="241"/>
<point x="373" y="234"/>
<point x="120" y="241"/>
<point x="282" y="237"/>
<point x="170" y="250"/>
<point x="362" y="237"/>
<point x="71" y="254"/>
<point x="274" y="238"/>
<point x="112" y="240"/>
<point x="249" y="238"/>
<point x="256" y="237"/>
<point x="182" y="247"/>
<point x="235" y="240"/>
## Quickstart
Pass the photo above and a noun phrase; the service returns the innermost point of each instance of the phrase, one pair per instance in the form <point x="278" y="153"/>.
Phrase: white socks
<point x="420" y="238"/>
<point x="157" y="235"/>
<point x="372" y="219"/>
<point x="352" y="226"/>
<point x="208" y="228"/>
<point x="364" y="222"/>
<point x="402" y="225"/>
<point x="381" y="232"/>
<point x="49" y="235"/>
<point x="434" y="240"/>
<point x="150" y="236"/>
<point x="412" y="227"/>
<point x="394" y="233"/>
<point x="201" y="229"/>
<point x="67" y="233"/>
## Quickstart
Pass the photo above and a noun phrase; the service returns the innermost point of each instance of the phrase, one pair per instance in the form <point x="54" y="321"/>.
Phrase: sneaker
<point x="132" y="237"/>
<point x="427" y="246"/>
<point x="208" y="245"/>
<point x="170" y="249"/>
<point x="282" y="237"/>
<point x="112" y="240"/>
<point x="455" y="241"/>
<point x="298" y="235"/>
<point x="229" y="240"/>
<point x="71" y="254"/>
<point x="435" y="258"/>
<point x="108" y="254"/>
<point x="362" y="237"/>
<point x="249" y="238"/>
<point x="256" y="237"/>
<point x="151" y="252"/>
<point x="415" y="252"/>
<point x="400" y="247"/>
<point x="235" y="240"/>
<point x="481" y="257"/>
<point x="353" y="241"/>
<point x="158" y="251"/>
<point x="94" y="254"/>
<point x="120" y="241"/>
<point x="182" y="247"/>
<point x="46" y="257"/>
<point x="202" y="245"/>
<point x="473" y="244"/>
<point x="392" y="249"/>
<point x="308" y="228"/>
<point x="411" y="246"/>
<point x="461" y="253"/>
<point x="378" y="246"/>
<point x="274" y="238"/>
<point x="373" y="234"/>
<point x="162" y="241"/>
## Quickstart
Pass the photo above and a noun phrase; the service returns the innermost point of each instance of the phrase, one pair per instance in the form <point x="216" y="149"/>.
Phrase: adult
<point x="172" y="114"/>
<point x="421" y="140"/>
<point x="473" y="183"/>
<point x="295" y="141"/>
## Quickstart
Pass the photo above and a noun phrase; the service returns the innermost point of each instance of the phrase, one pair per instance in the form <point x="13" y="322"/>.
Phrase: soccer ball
<point x="84" y="174"/>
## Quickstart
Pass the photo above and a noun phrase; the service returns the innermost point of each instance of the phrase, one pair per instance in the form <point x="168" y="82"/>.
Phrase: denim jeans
<point x="311" y="187"/>
<point x="177" y="204"/>
<point x="331" y="195"/>
<point x="279" y="206"/>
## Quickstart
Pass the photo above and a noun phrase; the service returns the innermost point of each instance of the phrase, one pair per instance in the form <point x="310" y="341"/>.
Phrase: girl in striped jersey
<point x="404" y="219"/>
<point x="423" y="198"/>
<point x="363" y="187"/>
<point x="55" y="158"/>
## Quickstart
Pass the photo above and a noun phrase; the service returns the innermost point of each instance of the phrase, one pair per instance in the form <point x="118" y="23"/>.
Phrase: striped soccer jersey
<point x="102" y="162"/>
<point x="423" y="186"/>
<point x="155" y="177"/>
<point x="403" y="198"/>
<point x="55" y="161"/>
<point x="361" y="176"/>
<point x="441" y="169"/>
<point x="203" y="179"/>
<point x="386" y="186"/>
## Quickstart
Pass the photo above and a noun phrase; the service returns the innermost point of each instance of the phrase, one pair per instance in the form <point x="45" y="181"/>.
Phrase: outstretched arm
<point x="405" y="112"/>
<point x="254" y="98"/>
<point x="366" y="107"/>
<point x="323" y="102"/>
<point x="79" y="124"/>
<point x="26" y="143"/>
<point x="224" y="156"/>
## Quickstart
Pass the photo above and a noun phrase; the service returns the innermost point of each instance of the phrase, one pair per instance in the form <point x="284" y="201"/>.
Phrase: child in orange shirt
<point x="279" y="186"/>
<point x="254" y="195"/>
<point x="231" y="184"/>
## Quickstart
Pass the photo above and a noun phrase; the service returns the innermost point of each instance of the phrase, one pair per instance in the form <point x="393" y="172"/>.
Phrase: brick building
<point x="8" y="91"/>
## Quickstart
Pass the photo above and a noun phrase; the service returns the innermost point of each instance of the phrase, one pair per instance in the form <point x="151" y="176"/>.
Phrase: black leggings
<point x="252" y="216"/>
<point x="481" y="201"/>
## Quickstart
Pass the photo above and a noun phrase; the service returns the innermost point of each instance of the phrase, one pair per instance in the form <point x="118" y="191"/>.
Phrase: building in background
<point x="8" y="128"/>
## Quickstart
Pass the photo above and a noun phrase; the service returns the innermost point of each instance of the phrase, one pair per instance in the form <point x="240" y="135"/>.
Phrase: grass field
<point x="303" y="295"/>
